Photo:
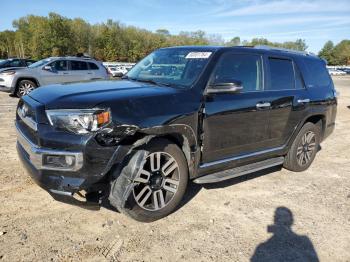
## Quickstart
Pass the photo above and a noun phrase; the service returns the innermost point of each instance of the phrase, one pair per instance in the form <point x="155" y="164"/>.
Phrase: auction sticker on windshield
<point x="198" y="55"/>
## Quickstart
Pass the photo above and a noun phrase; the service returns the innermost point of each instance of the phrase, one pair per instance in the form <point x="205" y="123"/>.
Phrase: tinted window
<point x="240" y="67"/>
<point x="93" y="66"/>
<point x="281" y="74"/>
<point x="318" y="74"/>
<point x="29" y="62"/>
<point x="78" y="65"/>
<point x="299" y="83"/>
<point x="60" y="65"/>
<point x="15" y="63"/>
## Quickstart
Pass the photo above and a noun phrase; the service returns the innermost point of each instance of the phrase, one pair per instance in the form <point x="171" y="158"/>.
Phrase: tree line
<point x="39" y="37"/>
<point x="336" y="54"/>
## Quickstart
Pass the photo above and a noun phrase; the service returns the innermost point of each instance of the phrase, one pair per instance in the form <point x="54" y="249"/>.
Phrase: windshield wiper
<point x="154" y="82"/>
<point x="144" y="80"/>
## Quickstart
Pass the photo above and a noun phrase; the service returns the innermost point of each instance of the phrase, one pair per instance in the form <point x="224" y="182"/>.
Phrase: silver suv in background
<point x="53" y="70"/>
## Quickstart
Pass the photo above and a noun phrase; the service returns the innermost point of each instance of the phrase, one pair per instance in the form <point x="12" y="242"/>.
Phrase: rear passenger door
<point x="79" y="71"/>
<point x="95" y="72"/>
<point x="287" y="96"/>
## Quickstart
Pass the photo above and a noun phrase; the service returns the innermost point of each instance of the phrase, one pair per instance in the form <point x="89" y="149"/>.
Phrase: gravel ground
<point x="223" y="222"/>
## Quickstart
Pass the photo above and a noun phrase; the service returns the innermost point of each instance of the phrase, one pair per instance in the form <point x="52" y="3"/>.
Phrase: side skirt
<point x="239" y="171"/>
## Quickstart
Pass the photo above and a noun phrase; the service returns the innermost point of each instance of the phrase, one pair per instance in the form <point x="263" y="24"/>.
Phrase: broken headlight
<point x="79" y="121"/>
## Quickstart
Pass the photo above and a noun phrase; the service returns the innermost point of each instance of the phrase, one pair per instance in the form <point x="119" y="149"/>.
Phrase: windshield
<point x="2" y="62"/>
<point x="40" y="63"/>
<point x="174" y="67"/>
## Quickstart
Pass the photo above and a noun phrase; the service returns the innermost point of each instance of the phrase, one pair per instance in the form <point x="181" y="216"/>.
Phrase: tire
<point x="304" y="148"/>
<point x="148" y="192"/>
<point x="24" y="87"/>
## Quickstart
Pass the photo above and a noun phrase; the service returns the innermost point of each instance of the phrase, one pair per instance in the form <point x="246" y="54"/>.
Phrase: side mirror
<point x="47" y="68"/>
<point x="231" y="86"/>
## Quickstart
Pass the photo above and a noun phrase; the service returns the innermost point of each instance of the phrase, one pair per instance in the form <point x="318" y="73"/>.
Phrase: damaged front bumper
<point x="81" y="182"/>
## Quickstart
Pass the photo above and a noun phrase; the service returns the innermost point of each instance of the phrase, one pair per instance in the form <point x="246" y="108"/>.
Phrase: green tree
<point x="327" y="52"/>
<point x="236" y="41"/>
<point x="341" y="53"/>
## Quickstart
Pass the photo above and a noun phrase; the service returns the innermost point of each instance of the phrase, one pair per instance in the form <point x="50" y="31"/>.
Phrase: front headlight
<point x="79" y="121"/>
<point x="7" y="73"/>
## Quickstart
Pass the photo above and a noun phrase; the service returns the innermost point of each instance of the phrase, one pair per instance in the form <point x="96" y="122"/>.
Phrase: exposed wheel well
<point x="319" y="120"/>
<point x="181" y="142"/>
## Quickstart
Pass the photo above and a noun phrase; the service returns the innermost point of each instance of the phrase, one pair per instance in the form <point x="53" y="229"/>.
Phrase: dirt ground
<point x="223" y="222"/>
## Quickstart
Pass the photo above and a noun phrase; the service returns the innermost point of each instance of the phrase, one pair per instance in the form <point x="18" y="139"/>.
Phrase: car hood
<point x="12" y="69"/>
<point x="91" y="94"/>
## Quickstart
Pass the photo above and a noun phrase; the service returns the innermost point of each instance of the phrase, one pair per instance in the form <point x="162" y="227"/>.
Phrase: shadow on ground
<point x="284" y="245"/>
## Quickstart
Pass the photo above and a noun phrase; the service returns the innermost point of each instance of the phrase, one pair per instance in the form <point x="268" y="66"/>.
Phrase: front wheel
<point x="304" y="148"/>
<point x="25" y="87"/>
<point x="158" y="182"/>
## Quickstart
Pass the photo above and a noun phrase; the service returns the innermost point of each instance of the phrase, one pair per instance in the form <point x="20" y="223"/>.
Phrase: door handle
<point x="263" y="105"/>
<point x="65" y="73"/>
<point x="303" y="101"/>
<point x="89" y="73"/>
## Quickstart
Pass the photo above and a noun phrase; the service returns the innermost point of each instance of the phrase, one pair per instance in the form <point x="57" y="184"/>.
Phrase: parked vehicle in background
<point x="336" y="72"/>
<point x="16" y="62"/>
<point x="118" y="71"/>
<point x="181" y="113"/>
<point x="346" y="70"/>
<point x="53" y="70"/>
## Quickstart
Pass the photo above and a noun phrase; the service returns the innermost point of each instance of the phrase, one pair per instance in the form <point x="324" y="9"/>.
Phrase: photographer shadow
<point x="284" y="245"/>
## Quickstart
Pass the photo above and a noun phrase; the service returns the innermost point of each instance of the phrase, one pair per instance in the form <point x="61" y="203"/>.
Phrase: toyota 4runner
<point x="182" y="113"/>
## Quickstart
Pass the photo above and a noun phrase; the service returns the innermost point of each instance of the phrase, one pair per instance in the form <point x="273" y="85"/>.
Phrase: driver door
<point x="56" y="74"/>
<point x="236" y="123"/>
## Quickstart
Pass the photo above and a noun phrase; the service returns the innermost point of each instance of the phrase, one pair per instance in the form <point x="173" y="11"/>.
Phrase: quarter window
<point x="78" y="65"/>
<point x="318" y="73"/>
<point x="281" y="74"/>
<point x="245" y="68"/>
<point x="93" y="66"/>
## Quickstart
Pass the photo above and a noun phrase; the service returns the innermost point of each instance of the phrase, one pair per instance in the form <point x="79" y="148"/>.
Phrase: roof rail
<point x="266" y="47"/>
<point x="80" y="55"/>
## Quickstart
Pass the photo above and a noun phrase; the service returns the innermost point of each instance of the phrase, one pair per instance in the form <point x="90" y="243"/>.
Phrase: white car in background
<point x="336" y="72"/>
<point x="117" y="71"/>
<point x="53" y="70"/>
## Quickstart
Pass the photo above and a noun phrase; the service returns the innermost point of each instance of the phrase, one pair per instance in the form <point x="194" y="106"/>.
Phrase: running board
<point x="239" y="171"/>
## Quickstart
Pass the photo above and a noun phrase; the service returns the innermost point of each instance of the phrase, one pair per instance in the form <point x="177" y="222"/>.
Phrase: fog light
<point x="59" y="161"/>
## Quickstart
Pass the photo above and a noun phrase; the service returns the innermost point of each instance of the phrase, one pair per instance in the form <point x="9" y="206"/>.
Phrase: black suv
<point x="181" y="113"/>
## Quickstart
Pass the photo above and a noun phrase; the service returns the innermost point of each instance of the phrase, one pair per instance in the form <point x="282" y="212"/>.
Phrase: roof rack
<point x="272" y="48"/>
<point x="81" y="56"/>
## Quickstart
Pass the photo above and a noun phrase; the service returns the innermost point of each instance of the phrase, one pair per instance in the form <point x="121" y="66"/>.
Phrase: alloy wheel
<point x="25" y="88"/>
<point x="306" y="148"/>
<point x="157" y="181"/>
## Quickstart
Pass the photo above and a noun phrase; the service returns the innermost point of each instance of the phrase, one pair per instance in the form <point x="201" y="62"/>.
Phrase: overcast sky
<point x="316" y="21"/>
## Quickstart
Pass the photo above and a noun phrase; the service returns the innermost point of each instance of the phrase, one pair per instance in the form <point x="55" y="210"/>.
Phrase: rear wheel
<point x="304" y="148"/>
<point x="25" y="87"/>
<point x="159" y="182"/>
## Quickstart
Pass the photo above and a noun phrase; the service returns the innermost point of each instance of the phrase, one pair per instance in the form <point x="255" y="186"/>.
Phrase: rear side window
<point x="245" y="68"/>
<point x="78" y="65"/>
<point x="281" y="74"/>
<point x="317" y="73"/>
<point x="93" y="66"/>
